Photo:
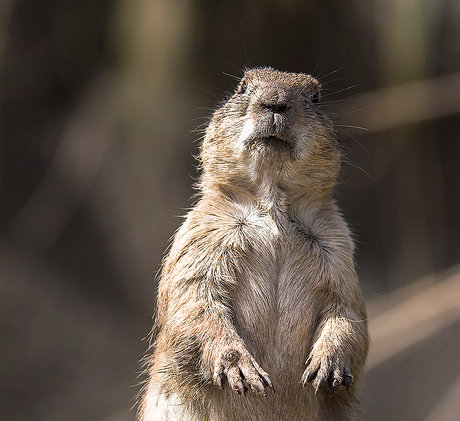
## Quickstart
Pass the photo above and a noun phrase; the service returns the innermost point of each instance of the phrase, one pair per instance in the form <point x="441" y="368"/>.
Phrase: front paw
<point x="327" y="368"/>
<point x="241" y="371"/>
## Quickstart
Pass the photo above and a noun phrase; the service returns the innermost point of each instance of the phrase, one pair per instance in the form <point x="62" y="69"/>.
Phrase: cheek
<point x="246" y="133"/>
<point x="303" y="139"/>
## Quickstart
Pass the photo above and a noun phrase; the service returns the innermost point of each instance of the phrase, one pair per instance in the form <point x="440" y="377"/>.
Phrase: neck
<point x="266" y="192"/>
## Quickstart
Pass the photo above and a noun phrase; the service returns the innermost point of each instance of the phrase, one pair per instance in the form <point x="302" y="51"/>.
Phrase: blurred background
<point x="99" y="106"/>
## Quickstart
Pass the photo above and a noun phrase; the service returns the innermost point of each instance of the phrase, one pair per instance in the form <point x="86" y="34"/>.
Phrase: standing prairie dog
<point x="259" y="292"/>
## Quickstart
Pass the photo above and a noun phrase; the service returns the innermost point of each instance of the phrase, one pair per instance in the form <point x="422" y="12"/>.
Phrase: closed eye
<point x="242" y="88"/>
<point x="315" y="97"/>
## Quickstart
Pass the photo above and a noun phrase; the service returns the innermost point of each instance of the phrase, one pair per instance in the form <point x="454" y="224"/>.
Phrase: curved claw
<point x="268" y="382"/>
<point x="347" y="380"/>
<point x="307" y="377"/>
<point x="336" y="382"/>
<point x="319" y="384"/>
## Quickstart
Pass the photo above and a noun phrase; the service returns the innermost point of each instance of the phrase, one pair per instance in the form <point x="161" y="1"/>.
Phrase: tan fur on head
<point x="306" y="158"/>
<point x="259" y="292"/>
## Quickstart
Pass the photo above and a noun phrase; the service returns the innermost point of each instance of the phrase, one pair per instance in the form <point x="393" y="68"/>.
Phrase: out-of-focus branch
<point x="408" y="103"/>
<point x="5" y="14"/>
<point x="76" y="161"/>
<point x="414" y="319"/>
<point x="124" y="415"/>
<point x="449" y="406"/>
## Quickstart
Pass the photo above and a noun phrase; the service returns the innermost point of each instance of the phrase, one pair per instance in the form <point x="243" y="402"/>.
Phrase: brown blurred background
<point x="99" y="102"/>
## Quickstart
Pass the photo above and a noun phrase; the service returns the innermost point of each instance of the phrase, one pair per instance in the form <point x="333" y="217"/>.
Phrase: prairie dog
<point x="258" y="292"/>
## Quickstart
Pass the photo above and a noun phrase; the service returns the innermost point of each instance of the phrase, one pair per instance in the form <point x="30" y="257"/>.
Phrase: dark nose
<point x="275" y="108"/>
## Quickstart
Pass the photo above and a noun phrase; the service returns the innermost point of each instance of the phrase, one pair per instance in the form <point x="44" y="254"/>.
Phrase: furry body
<point x="259" y="290"/>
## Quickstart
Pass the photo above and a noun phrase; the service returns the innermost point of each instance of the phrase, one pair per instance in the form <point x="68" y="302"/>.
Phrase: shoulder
<point x="323" y="225"/>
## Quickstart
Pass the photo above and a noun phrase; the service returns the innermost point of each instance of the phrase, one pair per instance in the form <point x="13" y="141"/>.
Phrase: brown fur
<point x="259" y="289"/>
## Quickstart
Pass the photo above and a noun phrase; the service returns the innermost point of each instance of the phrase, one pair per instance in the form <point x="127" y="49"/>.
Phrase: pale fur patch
<point x="246" y="133"/>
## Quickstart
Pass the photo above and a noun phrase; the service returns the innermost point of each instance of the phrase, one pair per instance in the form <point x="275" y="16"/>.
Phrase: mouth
<point x="272" y="142"/>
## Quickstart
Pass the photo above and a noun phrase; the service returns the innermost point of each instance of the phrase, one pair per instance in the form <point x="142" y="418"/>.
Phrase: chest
<point x="278" y="257"/>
